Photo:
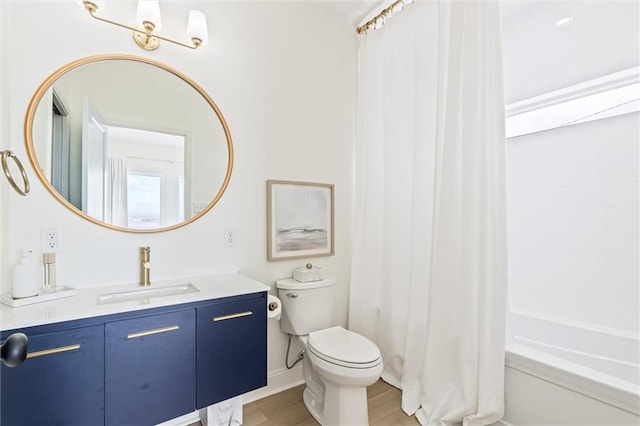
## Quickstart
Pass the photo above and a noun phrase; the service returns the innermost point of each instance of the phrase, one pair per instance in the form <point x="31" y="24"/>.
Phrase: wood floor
<point x="287" y="408"/>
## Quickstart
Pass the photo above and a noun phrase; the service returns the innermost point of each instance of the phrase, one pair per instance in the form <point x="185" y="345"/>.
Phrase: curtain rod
<point x="379" y="20"/>
<point x="133" y="157"/>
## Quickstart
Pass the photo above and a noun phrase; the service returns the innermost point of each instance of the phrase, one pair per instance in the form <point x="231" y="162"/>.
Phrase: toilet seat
<point x="344" y="348"/>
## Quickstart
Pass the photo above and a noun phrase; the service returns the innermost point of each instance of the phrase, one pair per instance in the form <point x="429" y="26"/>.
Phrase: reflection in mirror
<point x="145" y="178"/>
<point x="129" y="143"/>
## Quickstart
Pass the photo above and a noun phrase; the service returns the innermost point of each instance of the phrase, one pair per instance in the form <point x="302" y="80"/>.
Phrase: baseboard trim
<point x="185" y="420"/>
<point x="277" y="381"/>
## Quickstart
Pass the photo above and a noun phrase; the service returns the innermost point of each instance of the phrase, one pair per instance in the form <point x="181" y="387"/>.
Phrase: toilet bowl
<point x="338" y="364"/>
<point x="344" y="357"/>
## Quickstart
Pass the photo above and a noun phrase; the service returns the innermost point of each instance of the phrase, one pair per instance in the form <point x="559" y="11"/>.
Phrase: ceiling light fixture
<point x="148" y="17"/>
<point x="564" y="22"/>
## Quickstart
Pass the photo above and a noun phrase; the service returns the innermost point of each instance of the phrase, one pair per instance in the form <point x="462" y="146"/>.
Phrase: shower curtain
<point x="116" y="208"/>
<point x="428" y="280"/>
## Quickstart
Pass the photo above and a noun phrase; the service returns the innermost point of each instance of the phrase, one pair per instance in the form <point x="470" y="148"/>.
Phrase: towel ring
<point x="5" y="167"/>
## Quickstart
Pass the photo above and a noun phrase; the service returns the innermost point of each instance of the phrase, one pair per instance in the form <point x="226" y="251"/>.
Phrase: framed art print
<point x="300" y="220"/>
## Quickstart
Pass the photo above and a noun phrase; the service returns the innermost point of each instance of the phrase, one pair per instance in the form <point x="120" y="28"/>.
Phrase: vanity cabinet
<point x="150" y="369"/>
<point x="231" y="354"/>
<point x="140" y="367"/>
<point x="60" y="383"/>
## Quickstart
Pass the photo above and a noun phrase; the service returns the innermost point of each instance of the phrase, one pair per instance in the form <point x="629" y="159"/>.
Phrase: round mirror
<point x="128" y="143"/>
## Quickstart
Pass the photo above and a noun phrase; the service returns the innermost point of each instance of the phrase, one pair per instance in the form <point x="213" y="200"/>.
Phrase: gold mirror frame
<point x="47" y="84"/>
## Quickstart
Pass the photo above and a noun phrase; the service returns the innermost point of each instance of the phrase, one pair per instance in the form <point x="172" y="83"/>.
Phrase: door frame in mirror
<point x="48" y="83"/>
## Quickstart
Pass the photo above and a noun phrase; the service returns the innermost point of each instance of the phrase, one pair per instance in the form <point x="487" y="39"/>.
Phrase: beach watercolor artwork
<point x="300" y="217"/>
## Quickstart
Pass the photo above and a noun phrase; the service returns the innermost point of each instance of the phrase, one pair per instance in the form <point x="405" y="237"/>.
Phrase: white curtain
<point x="428" y="278"/>
<point x="116" y="211"/>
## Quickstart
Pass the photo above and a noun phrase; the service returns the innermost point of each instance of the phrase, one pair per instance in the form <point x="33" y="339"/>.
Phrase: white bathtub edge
<point x="586" y="381"/>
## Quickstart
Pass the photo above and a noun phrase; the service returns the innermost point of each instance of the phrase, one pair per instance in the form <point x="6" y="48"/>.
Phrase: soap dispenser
<point x="24" y="281"/>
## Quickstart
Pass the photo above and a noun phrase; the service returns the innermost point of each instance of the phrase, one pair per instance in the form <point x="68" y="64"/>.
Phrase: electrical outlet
<point x="230" y="236"/>
<point x="198" y="206"/>
<point x="51" y="240"/>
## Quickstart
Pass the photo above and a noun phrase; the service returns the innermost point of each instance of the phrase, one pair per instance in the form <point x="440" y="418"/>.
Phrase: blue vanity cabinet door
<point x="150" y="368"/>
<point x="232" y="348"/>
<point x="60" y="383"/>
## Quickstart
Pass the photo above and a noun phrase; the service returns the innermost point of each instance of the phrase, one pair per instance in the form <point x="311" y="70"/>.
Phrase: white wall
<point x="283" y="75"/>
<point x="573" y="222"/>
<point x="4" y="144"/>
<point x="572" y="211"/>
<point x="573" y="215"/>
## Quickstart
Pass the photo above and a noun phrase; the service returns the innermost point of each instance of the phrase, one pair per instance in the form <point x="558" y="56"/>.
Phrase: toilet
<point x="338" y="364"/>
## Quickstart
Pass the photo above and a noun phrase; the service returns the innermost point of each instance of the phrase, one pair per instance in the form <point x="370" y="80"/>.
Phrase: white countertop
<point x="83" y="305"/>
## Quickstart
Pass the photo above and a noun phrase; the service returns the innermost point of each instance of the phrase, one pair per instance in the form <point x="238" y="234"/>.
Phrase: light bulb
<point x="197" y="26"/>
<point x="149" y="11"/>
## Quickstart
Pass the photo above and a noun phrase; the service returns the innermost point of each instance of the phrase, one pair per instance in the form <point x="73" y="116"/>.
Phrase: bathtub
<point x="560" y="372"/>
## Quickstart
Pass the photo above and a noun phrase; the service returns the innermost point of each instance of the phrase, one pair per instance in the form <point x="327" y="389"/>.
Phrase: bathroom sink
<point x="146" y="293"/>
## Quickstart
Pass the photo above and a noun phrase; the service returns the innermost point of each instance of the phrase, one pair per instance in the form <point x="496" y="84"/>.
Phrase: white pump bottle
<point x="24" y="280"/>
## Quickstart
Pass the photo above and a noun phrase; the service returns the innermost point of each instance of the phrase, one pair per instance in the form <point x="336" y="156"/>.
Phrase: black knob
<point x="14" y="350"/>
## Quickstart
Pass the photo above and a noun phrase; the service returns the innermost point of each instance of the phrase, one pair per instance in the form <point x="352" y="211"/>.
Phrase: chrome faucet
<point x="145" y="266"/>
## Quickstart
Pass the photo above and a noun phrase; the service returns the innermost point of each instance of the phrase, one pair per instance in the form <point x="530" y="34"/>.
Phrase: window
<point x="144" y="201"/>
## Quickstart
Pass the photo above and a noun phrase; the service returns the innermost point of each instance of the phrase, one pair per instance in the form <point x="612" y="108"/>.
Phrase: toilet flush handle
<point x="292" y="295"/>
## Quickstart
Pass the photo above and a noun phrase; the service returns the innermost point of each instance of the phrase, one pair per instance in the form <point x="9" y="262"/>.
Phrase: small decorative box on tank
<point x="307" y="273"/>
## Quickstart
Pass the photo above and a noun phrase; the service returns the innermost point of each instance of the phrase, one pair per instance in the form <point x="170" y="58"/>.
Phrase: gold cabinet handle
<point x="150" y="332"/>
<point x="232" y="316"/>
<point x="53" y="351"/>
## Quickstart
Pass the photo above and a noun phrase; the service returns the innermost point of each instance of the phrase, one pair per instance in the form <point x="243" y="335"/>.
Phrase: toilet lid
<point x="344" y="347"/>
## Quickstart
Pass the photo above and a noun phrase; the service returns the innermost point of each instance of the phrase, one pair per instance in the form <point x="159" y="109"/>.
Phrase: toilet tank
<point x="306" y="307"/>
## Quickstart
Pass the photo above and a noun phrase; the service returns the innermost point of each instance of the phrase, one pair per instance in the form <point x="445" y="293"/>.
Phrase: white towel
<point x="225" y="413"/>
